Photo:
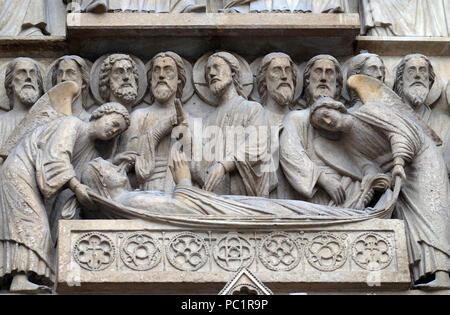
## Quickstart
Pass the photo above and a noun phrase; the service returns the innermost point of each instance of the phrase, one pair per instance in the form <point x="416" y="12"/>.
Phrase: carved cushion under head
<point x="54" y="104"/>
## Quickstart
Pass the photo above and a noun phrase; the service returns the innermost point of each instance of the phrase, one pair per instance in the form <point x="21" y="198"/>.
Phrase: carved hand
<point x="181" y="116"/>
<point x="216" y="173"/>
<point x="125" y="160"/>
<point x="398" y="171"/>
<point x="81" y="192"/>
<point x="180" y="169"/>
<point x="333" y="188"/>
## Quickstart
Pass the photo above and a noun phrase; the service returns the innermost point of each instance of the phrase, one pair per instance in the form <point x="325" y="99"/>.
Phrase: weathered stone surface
<point x="133" y="256"/>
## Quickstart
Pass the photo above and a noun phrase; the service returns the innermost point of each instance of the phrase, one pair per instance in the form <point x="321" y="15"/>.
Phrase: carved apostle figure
<point x="74" y="68"/>
<point x="42" y="164"/>
<point x="151" y="127"/>
<point x="368" y="64"/>
<point x="24" y="86"/>
<point x="24" y="17"/>
<point x="277" y="79"/>
<point x="235" y="159"/>
<point x="366" y="136"/>
<point x="413" y="82"/>
<point x="311" y="178"/>
<point x="404" y="17"/>
<point x="119" y="80"/>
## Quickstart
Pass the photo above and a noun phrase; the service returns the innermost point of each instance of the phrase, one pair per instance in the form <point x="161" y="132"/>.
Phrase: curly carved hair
<point x="110" y="108"/>
<point x="10" y="73"/>
<point x="261" y="77"/>
<point x="398" y="85"/>
<point x="182" y="76"/>
<point x="235" y="67"/>
<point x="105" y="71"/>
<point x="307" y="75"/>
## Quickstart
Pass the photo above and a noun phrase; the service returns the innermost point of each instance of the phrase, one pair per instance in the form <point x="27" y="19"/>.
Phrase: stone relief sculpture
<point x="24" y="17"/>
<point x="43" y="163"/>
<point x="404" y="18"/>
<point x="119" y="78"/>
<point x="76" y="69"/>
<point x="277" y="86"/>
<point x="424" y="199"/>
<point x="228" y="166"/>
<point x="365" y="63"/>
<point x="151" y="6"/>
<point x="414" y="82"/>
<point x="285" y="6"/>
<point x="24" y="86"/>
<point x="151" y="127"/>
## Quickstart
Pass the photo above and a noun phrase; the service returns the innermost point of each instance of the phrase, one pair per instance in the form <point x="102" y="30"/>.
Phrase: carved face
<point x="219" y="75"/>
<point x="164" y="79"/>
<point x="68" y="70"/>
<point x="374" y="67"/>
<point x="110" y="126"/>
<point x="280" y="81"/>
<point x="416" y="81"/>
<point x="112" y="178"/>
<point x="123" y="82"/>
<point x="328" y="119"/>
<point x="322" y="80"/>
<point x="25" y="83"/>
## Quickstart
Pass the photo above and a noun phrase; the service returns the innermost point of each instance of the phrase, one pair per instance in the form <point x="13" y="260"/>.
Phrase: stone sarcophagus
<point x="142" y="257"/>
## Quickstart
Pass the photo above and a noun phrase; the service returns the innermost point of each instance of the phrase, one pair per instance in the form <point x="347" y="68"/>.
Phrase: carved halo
<point x="4" y="101"/>
<point x="48" y="80"/>
<point x="95" y="78"/>
<point x="202" y="88"/>
<point x="188" y="91"/>
<point x="255" y="70"/>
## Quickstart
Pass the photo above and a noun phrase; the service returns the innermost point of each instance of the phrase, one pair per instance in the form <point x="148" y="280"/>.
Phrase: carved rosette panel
<point x="141" y="252"/>
<point x="372" y="252"/>
<point x="326" y="252"/>
<point x="187" y="252"/>
<point x="233" y="252"/>
<point x="94" y="251"/>
<point x="279" y="252"/>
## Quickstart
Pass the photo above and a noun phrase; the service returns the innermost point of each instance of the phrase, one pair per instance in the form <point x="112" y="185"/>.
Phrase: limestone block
<point x="135" y="256"/>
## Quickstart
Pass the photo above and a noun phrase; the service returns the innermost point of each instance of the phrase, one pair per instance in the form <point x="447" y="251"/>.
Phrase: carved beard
<point x="127" y="94"/>
<point x="219" y="87"/>
<point x="416" y="95"/>
<point x="163" y="92"/>
<point x="28" y="96"/>
<point x="283" y="96"/>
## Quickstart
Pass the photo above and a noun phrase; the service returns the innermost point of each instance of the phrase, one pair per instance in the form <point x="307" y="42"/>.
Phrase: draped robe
<point x="23" y="17"/>
<point x="405" y="17"/>
<point x="38" y="168"/>
<point x="249" y="153"/>
<point x="153" y="6"/>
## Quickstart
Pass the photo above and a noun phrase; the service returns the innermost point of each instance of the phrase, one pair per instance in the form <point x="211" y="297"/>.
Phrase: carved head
<point x="368" y="64"/>
<point x="329" y="115"/>
<point x="223" y="70"/>
<point x="322" y="78"/>
<point x="166" y="77"/>
<point x="102" y="176"/>
<point x="23" y="81"/>
<point x="72" y="68"/>
<point x="414" y="79"/>
<point x="119" y="79"/>
<point x="277" y="79"/>
<point x="109" y="121"/>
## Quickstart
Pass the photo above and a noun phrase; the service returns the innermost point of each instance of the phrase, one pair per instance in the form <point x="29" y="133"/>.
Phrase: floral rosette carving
<point x="233" y="252"/>
<point x="141" y="252"/>
<point x="372" y="252"/>
<point x="94" y="251"/>
<point x="326" y="252"/>
<point x="279" y="252"/>
<point x="187" y="252"/>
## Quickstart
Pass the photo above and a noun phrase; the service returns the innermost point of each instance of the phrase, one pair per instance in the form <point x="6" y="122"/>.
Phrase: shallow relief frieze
<point x="160" y="96"/>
